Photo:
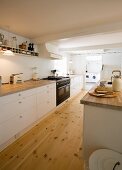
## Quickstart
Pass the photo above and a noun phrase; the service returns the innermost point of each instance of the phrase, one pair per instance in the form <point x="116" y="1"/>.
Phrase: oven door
<point x="62" y="93"/>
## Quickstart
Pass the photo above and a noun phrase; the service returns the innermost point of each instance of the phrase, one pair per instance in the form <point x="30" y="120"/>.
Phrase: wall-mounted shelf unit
<point x="18" y="50"/>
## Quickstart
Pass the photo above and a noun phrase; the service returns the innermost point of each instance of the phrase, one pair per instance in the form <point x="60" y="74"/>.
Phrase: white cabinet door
<point x="41" y="101"/>
<point x="46" y="99"/>
<point x="8" y="129"/>
<point x="19" y="110"/>
<point x="79" y="83"/>
<point x="16" y="114"/>
<point x="27" y="113"/>
<point x="72" y="87"/>
<point x="76" y="85"/>
<point x="51" y="96"/>
<point x="9" y="98"/>
<point x="8" y="111"/>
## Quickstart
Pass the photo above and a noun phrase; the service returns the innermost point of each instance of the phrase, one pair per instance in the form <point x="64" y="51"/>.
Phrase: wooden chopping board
<point x="93" y="93"/>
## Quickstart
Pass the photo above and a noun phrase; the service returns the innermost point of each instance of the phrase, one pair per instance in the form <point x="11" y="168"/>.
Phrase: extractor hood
<point x="49" y="51"/>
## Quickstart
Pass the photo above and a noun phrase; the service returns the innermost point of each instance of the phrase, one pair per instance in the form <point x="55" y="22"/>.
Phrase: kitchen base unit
<point x="22" y="110"/>
<point x="54" y="143"/>
<point x="46" y="99"/>
<point x="76" y="84"/>
<point x="102" y="124"/>
<point x="23" y="106"/>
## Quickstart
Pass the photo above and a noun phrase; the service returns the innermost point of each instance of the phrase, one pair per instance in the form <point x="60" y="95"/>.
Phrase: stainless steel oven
<point x="62" y="90"/>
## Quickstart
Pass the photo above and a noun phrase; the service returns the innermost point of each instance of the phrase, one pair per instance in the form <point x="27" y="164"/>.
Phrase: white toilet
<point x="104" y="159"/>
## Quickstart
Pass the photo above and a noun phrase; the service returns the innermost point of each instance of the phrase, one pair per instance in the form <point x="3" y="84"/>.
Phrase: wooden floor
<point x="54" y="144"/>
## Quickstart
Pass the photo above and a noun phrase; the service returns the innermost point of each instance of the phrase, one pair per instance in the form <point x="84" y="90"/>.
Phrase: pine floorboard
<point x="53" y="144"/>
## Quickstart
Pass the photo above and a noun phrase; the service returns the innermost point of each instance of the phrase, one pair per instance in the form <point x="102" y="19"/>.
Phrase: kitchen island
<point x="102" y="124"/>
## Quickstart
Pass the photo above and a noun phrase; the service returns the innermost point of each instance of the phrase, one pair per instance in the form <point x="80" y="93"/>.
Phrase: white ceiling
<point x="89" y="41"/>
<point x="91" y="24"/>
<point x="42" y="19"/>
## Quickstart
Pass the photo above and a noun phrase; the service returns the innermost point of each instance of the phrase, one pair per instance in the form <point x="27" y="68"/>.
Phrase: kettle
<point x="116" y="81"/>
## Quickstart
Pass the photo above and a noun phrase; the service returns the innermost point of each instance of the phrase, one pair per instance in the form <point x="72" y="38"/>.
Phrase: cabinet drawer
<point x="27" y="104"/>
<point x="9" y="129"/>
<point x="9" y="98"/>
<point x="9" y="110"/>
<point x="50" y="86"/>
<point x="40" y="89"/>
<point x="27" y="93"/>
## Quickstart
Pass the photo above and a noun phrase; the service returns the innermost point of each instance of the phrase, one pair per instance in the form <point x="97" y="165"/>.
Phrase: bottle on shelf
<point x="14" y="42"/>
<point x="31" y="47"/>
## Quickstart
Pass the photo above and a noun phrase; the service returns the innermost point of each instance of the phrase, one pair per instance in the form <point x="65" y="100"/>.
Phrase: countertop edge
<point x="101" y="105"/>
<point x="24" y="87"/>
<point x="108" y="103"/>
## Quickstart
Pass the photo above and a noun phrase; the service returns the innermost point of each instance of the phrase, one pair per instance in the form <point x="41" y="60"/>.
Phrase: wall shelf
<point x="18" y="50"/>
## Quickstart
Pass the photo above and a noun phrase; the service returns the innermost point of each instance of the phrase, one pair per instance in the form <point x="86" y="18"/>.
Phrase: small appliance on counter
<point x="116" y="80"/>
<point x="16" y="78"/>
<point x="54" y="73"/>
<point x="35" y="75"/>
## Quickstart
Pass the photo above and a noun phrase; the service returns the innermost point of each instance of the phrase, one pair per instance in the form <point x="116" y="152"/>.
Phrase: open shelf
<point x="19" y="51"/>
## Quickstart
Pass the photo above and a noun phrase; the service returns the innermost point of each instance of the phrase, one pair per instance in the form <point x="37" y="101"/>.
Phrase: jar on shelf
<point x="14" y="42"/>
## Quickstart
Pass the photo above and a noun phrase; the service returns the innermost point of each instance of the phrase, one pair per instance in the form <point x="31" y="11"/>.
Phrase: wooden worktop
<point x="75" y="75"/>
<point x="112" y="103"/>
<point x="13" y="88"/>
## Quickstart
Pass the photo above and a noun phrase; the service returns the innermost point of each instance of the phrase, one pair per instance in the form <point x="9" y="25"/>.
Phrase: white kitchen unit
<point x="20" y="110"/>
<point x="102" y="124"/>
<point x="46" y="99"/>
<point x="17" y="112"/>
<point x="76" y="84"/>
<point x="27" y="108"/>
<point x="92" y="77"/>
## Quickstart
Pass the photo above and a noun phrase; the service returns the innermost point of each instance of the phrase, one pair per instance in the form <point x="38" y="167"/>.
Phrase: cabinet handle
<point x="20" y="116"/>
<point x="20" y="102"/>
<point x="19" y="94"/>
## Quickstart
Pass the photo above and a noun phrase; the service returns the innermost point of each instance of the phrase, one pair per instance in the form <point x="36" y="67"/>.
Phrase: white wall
<point x="76" y="64"/>
<point x="111" y="62"/>
<point x="112" y="59"/>
<point x="23" y="63"/>
<point x="61" y="66"/>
